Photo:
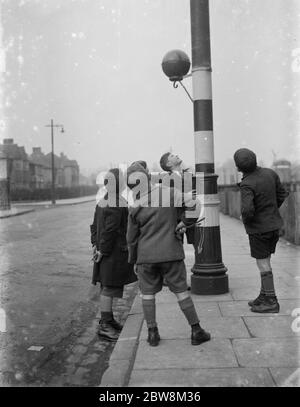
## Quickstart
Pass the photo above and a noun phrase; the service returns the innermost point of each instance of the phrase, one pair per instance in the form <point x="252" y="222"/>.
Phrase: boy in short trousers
<point x="155" y="246"/>
<point x="261" y="196"/>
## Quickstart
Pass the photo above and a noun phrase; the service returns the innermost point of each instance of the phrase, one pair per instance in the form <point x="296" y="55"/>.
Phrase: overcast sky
<point x="95" y="67"/>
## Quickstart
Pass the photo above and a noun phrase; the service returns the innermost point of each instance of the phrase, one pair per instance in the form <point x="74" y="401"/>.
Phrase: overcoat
<point x="262" y="194"/>
<point x="108" y="233"/>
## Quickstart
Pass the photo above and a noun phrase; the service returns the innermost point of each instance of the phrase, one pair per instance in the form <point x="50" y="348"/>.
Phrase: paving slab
<point x="292" y="280"/>
<point x="241" y="308"/>
<point x="286" y="377"/>
<point x="228" y="377"/>
<point x="276" y="326"/>
<point x="179" y="353"/>
<point x="172" y="324"/>
<point x="267" y="352"/>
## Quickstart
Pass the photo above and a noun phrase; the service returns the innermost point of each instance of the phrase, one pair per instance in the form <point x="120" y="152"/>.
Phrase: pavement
<point x="246" y="349"/>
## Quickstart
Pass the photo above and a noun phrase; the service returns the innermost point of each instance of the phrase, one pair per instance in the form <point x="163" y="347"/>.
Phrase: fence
<point x="290" y="210"/>
<point x="45" y="194"/>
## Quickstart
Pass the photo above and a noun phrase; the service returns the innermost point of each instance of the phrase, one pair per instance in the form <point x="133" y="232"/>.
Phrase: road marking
<point x="2" y="320"/>
<point x="36" y="348"/>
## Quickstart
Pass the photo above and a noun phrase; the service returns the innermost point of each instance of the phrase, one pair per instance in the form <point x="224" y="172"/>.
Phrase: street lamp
<point x="52" y="156"/>
<point x="209" y="273"/>
<point x="176" y="65"/>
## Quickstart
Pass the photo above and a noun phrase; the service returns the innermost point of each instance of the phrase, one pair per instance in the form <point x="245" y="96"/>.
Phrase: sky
<point x="95" y="67"/>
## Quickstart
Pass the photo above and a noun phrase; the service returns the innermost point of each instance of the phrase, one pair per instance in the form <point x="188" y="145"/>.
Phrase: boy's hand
<point x="180" y="230"/>
<point x="96" y="255"/>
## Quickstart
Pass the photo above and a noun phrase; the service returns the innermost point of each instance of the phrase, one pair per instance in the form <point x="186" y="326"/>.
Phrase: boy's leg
<point x="108" y="293"/>
<point x="175" y="273"/>
<point x="267" y="281"/>
<point x="269" y="303"/>
<point x="188" y="308"/>
<point x="105" y="329"/>
<point x="149" y="309"/>
<point x="150" y="282"/>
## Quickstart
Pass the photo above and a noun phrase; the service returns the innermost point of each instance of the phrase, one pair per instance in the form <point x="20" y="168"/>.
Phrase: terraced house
<point x="34" y="171"/>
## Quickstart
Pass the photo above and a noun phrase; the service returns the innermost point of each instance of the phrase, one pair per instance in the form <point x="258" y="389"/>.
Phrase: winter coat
<point x="108" y="233"/>
<point x="151" y="228"/>
<point x="261" y="195"/>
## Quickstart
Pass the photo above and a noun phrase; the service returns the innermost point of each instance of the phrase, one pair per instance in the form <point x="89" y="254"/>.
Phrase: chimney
<point x="36" y="150"/>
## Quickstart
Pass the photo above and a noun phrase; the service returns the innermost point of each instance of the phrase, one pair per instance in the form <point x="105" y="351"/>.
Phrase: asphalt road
<point x="48" y="305"/>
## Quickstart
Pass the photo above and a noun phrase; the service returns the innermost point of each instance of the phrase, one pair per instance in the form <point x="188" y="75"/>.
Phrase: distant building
<point x="66" y="171"/>
<point x="40" y="170"/>
<point x="70" y="171"/>
<point x="227" y="173"/>
<point x="35" y="171"/>
<point x="284" y="169"/>
<point x="18" y="164"/>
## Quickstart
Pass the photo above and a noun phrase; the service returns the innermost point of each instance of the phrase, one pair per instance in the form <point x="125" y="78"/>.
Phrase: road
<point x="49" y="308"/>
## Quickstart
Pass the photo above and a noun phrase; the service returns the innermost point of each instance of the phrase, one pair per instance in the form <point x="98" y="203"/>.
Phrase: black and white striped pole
<point x="209" y="273"/>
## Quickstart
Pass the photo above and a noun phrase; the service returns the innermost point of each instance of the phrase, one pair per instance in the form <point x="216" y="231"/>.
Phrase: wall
<point x="231" y="203"/>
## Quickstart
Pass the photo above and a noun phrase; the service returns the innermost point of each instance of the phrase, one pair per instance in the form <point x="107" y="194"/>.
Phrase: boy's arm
<point x="93" y="229"/>
<point x="247" y="203"/>
<point x="281" y="193"/>
<point x="189" y="207"/>
<point x="132" y="238"/>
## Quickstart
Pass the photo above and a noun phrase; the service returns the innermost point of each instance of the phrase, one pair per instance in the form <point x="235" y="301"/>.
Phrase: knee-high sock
<point x="188" y="308"/>
<point x="149" y="312"/>
<point x="267" y="283"/>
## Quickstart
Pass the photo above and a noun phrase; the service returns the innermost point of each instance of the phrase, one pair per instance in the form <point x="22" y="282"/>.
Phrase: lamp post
<point x="209" y="273"/>
<point x="5" y="170"/>
<point x="52" y="157"/>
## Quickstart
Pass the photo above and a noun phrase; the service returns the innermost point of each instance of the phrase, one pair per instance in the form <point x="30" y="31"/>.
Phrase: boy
<point x="155" y="246"/>
<point x="261" y="196"/>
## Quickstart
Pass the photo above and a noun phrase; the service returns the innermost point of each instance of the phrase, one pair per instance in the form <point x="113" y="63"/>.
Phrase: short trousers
<point x="110" y="291"/>
<point x="262" y="245"/>
<point x="151" y="277"/>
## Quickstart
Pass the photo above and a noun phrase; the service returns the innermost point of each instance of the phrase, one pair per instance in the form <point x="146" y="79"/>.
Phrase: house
<point x="40" y="170"/>
<point x="19" y="170"/>
<point x="35" y="171"/>
<point x="66" y="171"/>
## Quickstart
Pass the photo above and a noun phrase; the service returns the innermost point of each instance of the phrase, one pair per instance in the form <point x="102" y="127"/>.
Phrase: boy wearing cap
<point x="155" y="246"/>
<point x="261" y="196"/>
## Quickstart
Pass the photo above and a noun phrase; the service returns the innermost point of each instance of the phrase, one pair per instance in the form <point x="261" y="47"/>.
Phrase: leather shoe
<point x="259" y="300"/>
<point x="270" y="305"/>
<point x="118" y="327"/>
<point x="199" y="336"/>
<point x="106" y="331"/>
<point x="153" y="336"/>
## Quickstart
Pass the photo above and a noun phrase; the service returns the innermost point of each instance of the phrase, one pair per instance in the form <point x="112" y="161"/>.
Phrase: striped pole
<point x="209" y="273"/>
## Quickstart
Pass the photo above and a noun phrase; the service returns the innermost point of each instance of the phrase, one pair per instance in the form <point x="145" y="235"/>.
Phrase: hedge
<point x="46" y="194"/>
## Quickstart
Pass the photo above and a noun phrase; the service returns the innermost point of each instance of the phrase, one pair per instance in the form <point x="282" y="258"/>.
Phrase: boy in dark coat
<point x="155" y="246"/>
<point x="261" y="196"/>
<point x="110" y="253"/>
